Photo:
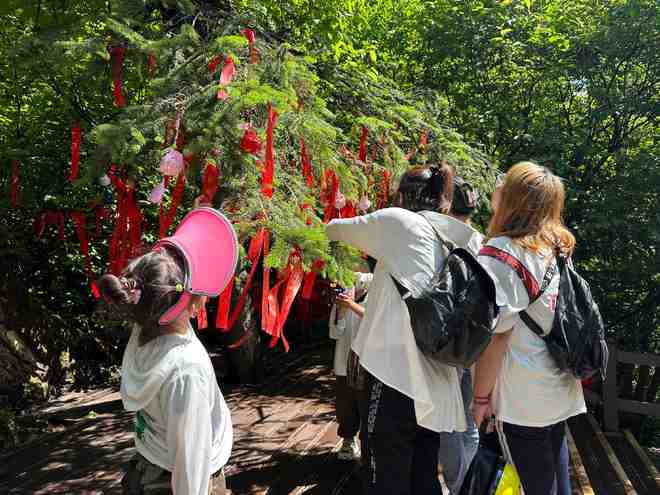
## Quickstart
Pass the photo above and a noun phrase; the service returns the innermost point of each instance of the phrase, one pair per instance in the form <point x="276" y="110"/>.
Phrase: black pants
<point x="540" y="456"/>
<point x="347" y="408"/>
<point x="401" y="457"/>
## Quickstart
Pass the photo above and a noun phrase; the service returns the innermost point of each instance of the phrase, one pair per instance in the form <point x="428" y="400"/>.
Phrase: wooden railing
<point x="643" y="403"/>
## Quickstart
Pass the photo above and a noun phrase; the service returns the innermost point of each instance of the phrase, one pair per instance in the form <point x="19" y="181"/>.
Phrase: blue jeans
<point x="457" y="449"/>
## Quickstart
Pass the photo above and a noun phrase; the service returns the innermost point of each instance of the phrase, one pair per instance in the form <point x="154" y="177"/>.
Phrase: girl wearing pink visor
<point x="183" y="429"/>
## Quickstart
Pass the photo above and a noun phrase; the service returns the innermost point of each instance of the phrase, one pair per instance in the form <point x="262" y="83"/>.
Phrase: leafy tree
<point x="72" y="81"/>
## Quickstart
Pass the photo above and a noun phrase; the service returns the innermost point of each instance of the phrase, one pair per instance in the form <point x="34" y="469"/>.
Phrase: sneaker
<point x="349" y="450"/>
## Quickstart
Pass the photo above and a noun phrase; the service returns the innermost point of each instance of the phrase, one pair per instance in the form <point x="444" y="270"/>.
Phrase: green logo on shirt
<point x="140" y="425"/>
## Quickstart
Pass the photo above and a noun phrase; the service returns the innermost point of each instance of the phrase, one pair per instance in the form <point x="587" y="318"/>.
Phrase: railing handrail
<point x="612" y="404"/>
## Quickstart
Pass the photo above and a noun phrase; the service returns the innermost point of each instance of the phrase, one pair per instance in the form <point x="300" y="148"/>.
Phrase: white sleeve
<point x="336" y="330"/>
<point x="367" y="233"/>
<point x="189" y="435"/>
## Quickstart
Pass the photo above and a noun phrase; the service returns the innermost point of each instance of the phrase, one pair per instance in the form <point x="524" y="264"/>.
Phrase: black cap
<point x="465" y="197"/>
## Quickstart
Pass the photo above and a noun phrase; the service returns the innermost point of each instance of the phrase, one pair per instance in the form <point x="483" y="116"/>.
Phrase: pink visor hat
<point x="206" y="241"/>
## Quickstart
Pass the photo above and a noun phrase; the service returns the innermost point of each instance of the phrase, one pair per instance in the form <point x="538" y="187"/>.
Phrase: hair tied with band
<point x="131" y="286"/>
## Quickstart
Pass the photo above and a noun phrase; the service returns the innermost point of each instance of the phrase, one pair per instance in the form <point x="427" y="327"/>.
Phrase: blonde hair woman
<point x="516" y="377"/>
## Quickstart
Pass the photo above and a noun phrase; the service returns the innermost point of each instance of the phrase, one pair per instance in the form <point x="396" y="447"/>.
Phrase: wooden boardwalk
<point x="285" y="443"/>
<point x="285" y="439"/>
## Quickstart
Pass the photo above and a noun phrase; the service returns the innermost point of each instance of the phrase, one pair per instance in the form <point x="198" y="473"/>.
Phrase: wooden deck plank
<point x="580" y="479"/>
<point x="603" y="479"/>
<point x="628" y="487"/>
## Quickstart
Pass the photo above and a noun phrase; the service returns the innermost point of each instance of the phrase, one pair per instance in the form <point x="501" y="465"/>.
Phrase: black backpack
<point x="452" y="320"/>
<point x="576" y="340"/>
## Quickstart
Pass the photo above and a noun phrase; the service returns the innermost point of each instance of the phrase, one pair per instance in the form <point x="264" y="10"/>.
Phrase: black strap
<point x="524" y="315"/>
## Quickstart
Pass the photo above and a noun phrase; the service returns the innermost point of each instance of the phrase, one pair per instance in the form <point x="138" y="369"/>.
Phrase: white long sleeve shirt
<point x="405" y="246"/>
<point x="182" y="423"/>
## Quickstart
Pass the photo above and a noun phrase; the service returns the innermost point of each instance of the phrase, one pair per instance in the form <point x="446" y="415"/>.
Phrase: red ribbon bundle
<point x="423" y="140"/>
<point x="47" y="218"/>
<point x="213" y="63"/>
<point x="249" y="34"/>
<point x="152" y="65"/>
<point x="310" y="279"/>
<point x="228" y="71"/>
<point x="210" y="182"/>
<point x="14" y="183"/>
<point x="250" y="142"/>
<point x="329" y="190"/>
<point x="362" y="153"/>
<point x="292" y="282"/>
<point x="125" y="240"/>
<point x="306" y="165"/>
<point x="223" y="321"/>
<point x="177" y="195"/>
<point x="269" y="166"/>
<point x="224" y="302"/>
<point x="226" y="76"/>
<point x="80" y="223"/>
<point x="117" y="56"/>
<point x="76" y="137"/>
<point x="384" y="191"/>
<point x="265" y="290"/>
<point x="202" y="318"/>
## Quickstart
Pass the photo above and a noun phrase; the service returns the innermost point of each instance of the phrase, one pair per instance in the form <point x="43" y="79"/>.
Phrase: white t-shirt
<point x="530" y="391"/>
<point x="347" y="325"/>
<point x="182" y="422"/>
<point x="405" y="246"/>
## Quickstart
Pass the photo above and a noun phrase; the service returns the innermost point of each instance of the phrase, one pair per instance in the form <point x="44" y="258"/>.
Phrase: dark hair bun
<point x="113" y="290"/>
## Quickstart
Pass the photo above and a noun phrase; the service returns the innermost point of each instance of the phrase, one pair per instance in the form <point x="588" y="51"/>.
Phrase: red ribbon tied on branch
<point x="306" y="165"/>
<point x="47" y="218"/>
<point x="250" y="142"/>
<point x="177" y="196"/>
<point x="249" y="34"/>
<point x="269" y="165"/>
<point x="80" y="223"/>
<point x="362" y="153"/>
<point x="76" y="138"/>
<point x="152" y="65"/>
<point x="329" y="192"/>
<point x="292" y="282"/>
<point x="117" y="56"/>
<point x="213" y="63"/>
<point x="126" y="236"/>
<point x="14" y="183"/>
<point x="210" y="182"/>
<point x="226" y="76"/>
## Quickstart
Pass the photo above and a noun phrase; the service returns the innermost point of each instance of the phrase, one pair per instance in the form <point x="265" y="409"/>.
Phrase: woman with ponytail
<point x="183" y="430"/>
<point x="411" y="397"/>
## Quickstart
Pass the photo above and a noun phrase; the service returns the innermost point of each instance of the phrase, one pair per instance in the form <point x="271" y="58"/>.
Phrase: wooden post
<point x="610" y="393"/>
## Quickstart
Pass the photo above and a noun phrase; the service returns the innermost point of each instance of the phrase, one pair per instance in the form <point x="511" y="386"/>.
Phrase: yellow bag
<point x="509" y="482"/>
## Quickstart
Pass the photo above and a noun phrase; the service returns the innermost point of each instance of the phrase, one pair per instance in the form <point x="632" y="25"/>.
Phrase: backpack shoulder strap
<point x="528" y="280"/>
<point x="533" y="290"/>
<point x="438" y="233"/>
